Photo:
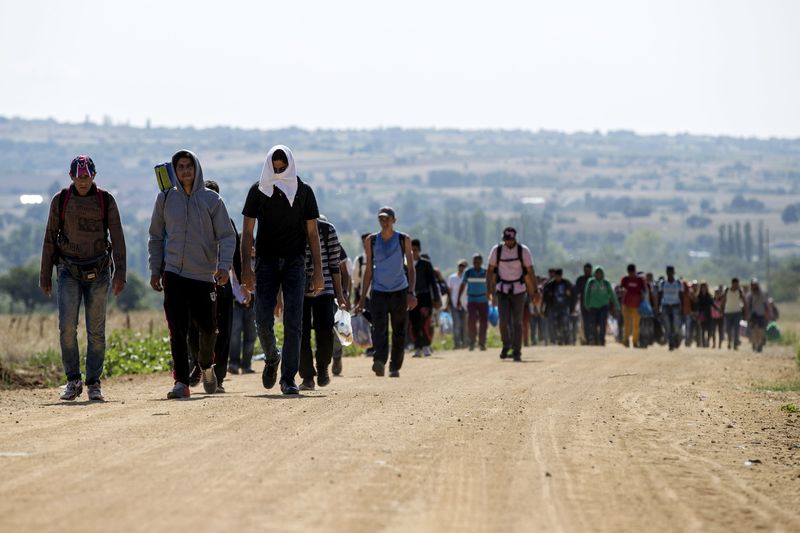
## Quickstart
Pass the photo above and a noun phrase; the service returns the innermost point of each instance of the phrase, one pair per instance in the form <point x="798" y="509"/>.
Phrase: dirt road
<point x="571" y="439"/>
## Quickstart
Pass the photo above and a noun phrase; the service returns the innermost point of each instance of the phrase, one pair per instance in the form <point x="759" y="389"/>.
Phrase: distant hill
<point x="578" y="195"/>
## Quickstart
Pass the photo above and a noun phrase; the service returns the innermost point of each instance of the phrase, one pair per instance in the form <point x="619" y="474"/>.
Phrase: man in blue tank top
<point x="390" y="273"/>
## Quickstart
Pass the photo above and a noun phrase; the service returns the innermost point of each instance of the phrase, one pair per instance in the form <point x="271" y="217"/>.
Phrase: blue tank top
<point x="389" y="274"/>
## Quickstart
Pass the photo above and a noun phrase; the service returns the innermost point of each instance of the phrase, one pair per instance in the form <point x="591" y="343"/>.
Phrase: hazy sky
<point x="718" y="67"/>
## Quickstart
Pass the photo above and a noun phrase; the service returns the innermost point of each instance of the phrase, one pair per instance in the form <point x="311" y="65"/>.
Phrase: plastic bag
<point x="362" y="333"/>
<point x="494" y="315"/>
<point x="343" y="327"/>
<point x="446" y="322"/>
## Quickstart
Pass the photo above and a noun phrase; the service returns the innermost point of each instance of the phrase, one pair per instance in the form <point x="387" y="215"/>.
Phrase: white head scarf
<point x="286" y="181"/>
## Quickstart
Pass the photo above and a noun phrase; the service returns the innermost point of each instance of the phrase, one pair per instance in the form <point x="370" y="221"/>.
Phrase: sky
<point x="701" y="66"/>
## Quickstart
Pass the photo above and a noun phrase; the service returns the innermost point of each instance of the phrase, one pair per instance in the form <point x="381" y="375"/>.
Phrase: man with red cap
<point x="76" y="242"/>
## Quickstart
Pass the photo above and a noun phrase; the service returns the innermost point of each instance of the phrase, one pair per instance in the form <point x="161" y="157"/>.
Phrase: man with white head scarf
<point x="287" y="212"/>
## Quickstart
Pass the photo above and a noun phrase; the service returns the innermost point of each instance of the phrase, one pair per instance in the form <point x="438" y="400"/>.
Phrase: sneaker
<point x="417" y="353"/>
<point x="180" y="390"/>
<point x="378" y="368"/>
<point x="307" y="384"/>
<point x="336" y="367"/>
<point x="247" y="370"/>
<point x="233" y="369"/>
<point x="195" y="376"/>
<point x="209" y="380"/>
<point x="220" y="389"/>
<point x="73" y="389"/>
<point x="323" y="378"/>
<point x="394" y="373"/>
<point x="270" y="375"/>
<point x="288" y="387"/>
<point x="504" y="353"/>
<point x="426" y="351"/>
<point x="483" y="347"/>
<point x="471" y="347"/>
<point x="95" y="394"/>
<point x="517" y="357"/>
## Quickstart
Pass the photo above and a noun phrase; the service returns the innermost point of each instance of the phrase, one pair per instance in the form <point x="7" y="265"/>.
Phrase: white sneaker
<point x="417" y="353"/>
<point x="426" y="351"/>
<point x="209" y="379"/>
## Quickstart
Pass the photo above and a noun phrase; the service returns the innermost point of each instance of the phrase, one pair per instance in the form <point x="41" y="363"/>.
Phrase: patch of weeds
<point x="129" y="352"/>
<point x="790" y="386"/>
<point x="790" y="408"/>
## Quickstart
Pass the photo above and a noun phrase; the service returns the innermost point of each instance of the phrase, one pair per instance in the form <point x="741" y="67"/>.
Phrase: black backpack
<point x="518" y="258"/>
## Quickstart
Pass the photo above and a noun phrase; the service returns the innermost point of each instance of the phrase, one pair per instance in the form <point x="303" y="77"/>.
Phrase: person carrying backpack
<point x="76" y="242"/>
<point x="191" y="247"/>
<point x="391" y="276"/>
<point x="510" y="276"/>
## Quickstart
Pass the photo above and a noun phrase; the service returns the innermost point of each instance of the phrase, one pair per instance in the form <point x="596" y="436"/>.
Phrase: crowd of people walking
<point x="224" y="289"/>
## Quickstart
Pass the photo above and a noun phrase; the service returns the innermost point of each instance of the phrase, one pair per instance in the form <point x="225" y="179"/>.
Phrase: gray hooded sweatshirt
<point x="191" y="234"/>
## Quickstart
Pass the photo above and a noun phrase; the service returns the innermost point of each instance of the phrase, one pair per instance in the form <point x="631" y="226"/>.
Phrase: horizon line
<point x="596" y="131"/>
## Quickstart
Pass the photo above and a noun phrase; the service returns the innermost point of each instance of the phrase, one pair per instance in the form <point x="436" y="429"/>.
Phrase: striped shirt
<point x="331" y="254"/>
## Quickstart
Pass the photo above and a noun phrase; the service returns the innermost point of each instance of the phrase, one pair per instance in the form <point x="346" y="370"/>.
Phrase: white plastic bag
<point x="362" y="332"/>
<point x="343" y="327"/>
<point x="446" y="322"/>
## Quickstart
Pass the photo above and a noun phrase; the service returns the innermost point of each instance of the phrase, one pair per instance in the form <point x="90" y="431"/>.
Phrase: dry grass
<point x="23" y="336"/>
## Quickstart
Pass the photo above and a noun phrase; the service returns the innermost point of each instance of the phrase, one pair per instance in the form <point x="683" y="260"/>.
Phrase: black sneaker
<point x="483" y="347"/>
<point x="379" y="368"/>
<point x="195" y="376"/>
<point x="336" y="367"/>
<point x="323" y="378"/>
<point x="307" y="384"/>
<point x="289" y="388"/>
<point x="270" y="374"/>
<point x="504" y="353"/>
<point x="517" y="357"/>
<point x="394" y="373"/>
<point x="471" y="347"/>
<point x="220" y="389"/>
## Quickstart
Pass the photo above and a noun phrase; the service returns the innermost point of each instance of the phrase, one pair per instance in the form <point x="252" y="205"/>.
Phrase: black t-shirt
<point x="281" y="227"/>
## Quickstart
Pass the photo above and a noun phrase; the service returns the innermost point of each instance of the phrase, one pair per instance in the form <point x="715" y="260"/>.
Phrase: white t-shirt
<point x="509" y="267"/>
<point x="454" y="285"/>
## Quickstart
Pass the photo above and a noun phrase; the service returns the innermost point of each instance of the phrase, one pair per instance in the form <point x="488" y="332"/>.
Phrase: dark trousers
<point x="386" y="307"/>
<point x="510" y="309"/>
<point x="596" y="320"/>
<point x="317" y="315"/>
<point x="477" y="320"/>
<point x="420" y="318"/>
<point x="289" y="274"/>
<point x="585" y="317"/>
<point x="222" y="346"/>
<point x="243" y="336"/>
<point x="671" y="318"/>
<point x="189" y="302"/>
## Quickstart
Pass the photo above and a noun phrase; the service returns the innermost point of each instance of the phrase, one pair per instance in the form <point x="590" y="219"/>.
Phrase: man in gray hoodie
<point x="191" y="251"/>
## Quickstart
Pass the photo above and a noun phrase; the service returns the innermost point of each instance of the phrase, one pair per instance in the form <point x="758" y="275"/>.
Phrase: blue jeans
<point x="671" y="319"/>
<point x="244" y="324"/>
<point x="732" y="327"/>
<point x="289" y="274"/>
<point x="95" y="296"/>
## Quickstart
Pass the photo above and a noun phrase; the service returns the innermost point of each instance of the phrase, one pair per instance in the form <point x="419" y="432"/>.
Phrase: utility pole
<point x="768" y="265"/>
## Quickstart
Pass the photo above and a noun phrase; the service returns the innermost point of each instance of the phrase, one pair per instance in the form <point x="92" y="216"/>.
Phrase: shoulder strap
<point x="102" y="197"/>
<point x="63" y="198"/>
